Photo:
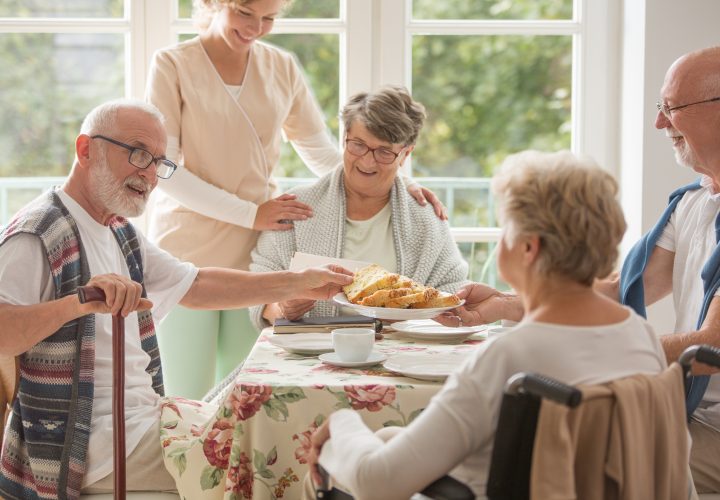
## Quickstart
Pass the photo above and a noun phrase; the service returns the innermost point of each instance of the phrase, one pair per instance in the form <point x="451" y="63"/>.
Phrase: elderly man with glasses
<point x="56" y="444"/>
<point x="680" y="255"/>
<point x="362" y="210"/>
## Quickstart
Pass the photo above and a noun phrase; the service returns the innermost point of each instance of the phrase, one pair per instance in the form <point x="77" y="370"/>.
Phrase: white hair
<point x="102" y="119"/>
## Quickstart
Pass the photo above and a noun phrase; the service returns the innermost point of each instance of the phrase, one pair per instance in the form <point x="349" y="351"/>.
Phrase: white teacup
<point x="353" y="344"/>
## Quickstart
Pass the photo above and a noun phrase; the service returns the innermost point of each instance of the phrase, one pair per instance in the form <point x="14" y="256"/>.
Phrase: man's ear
<point x="82" y="149"/>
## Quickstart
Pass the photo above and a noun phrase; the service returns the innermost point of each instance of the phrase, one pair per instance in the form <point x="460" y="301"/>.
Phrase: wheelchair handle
<point x="702" y="353"/>
<point x="544" y="387"/>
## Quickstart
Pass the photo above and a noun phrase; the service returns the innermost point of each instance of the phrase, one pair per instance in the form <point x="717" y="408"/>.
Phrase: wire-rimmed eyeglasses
<point x="142" y="159"/>
<point x="667" y="110"/>
<point x="381" y="155"/>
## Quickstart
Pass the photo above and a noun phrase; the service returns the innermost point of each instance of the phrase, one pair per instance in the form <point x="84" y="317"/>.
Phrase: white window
<point x="496" y="76"/>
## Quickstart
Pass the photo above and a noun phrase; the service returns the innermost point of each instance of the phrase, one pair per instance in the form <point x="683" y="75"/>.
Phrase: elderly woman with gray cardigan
<point x="362" y="211"/>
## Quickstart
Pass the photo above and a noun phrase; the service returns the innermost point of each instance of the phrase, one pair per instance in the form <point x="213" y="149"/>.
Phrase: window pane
<point x="493" y="9"/>
<point x="487" y="97"/>
<point x="55" y="8"/>
<point x="319" y="57"/>
<point x="185" y="8"/>
<point x="482" y="261"/>
<point x="50" y="82"/>
<point x="314" y="9"/>
<point x="298" y="8"/>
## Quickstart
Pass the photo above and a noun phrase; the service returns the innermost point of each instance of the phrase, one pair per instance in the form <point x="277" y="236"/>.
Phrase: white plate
<point x="332" y="358"/>
<point x="306" y="344"/>
<point x="390" y="312"/>
<point x="425" y="365"/>
<point x="427" y="329"/>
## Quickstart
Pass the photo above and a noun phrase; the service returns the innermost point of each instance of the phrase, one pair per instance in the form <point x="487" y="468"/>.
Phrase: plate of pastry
<point x="377" y="293"/>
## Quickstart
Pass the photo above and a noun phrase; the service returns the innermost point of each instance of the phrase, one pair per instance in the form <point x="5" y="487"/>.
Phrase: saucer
<point x="304" y="344"/>
<point x="332" y="358"/>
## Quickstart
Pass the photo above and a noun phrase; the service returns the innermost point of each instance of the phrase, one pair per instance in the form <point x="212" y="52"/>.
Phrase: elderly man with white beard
<point x="55" y="445"/>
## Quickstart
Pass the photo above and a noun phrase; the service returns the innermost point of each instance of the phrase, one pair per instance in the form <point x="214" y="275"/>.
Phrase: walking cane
<point x="92" y="294"/>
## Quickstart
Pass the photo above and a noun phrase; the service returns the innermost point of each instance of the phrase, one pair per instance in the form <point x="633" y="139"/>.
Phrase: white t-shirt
<point x="690" y="233"/>
<point x="371" y="240"/>
<point x="456" y="430"/>
<point x="25" y="280"/>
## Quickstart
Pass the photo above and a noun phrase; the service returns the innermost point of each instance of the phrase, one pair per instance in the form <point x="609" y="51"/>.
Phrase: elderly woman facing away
<point x="561" y="228"/>
<point x="362" y="210"/>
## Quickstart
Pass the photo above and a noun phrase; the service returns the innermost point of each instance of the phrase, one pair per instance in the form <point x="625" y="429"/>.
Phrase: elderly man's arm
<point x="23" y="326"/>
<point x="709" y="333"/>
<point x="218" y="288"/>
<point x="657" y="280"/>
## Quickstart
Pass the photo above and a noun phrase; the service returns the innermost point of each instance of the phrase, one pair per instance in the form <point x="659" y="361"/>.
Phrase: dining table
<point x="251" y="441"/>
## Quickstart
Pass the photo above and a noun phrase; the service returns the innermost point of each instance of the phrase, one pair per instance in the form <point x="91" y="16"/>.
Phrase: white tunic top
<point x="166" y="279"/>
<point x="228" y="144"/>
<point x="456" y="430"/>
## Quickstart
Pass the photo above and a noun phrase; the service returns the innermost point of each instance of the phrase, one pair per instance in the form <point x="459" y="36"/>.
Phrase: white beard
<point x="113" y="193"/>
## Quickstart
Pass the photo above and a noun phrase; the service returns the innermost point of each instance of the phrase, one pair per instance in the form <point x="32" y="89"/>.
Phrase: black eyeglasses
<point x="381" y="155"/>
<point x="142" y="159"/>
<point x="666" y="110"/>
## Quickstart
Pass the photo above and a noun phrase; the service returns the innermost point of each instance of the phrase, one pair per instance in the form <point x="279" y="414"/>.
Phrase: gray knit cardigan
<point x="424" y="246"/>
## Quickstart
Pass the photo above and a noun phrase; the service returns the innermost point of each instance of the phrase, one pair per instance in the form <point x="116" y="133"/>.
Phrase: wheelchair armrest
<point x="446" y="488"/>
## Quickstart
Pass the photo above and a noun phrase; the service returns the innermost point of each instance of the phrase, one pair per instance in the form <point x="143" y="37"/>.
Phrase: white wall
<point x="655" y="33"/>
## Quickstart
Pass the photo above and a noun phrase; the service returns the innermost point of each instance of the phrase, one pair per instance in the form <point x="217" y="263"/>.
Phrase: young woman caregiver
<point x="227" y="98"/>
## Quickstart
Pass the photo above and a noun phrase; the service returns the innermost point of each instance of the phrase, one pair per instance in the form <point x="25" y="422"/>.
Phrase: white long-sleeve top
<point x="455" y="432"/>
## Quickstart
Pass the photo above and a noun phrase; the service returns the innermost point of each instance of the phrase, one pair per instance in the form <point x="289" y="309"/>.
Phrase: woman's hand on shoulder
<point x="423" y="195"/>
<point x="278" y="213"/>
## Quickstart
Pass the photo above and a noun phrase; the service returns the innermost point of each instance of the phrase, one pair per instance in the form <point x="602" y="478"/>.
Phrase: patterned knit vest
<point x="45" y="446"/>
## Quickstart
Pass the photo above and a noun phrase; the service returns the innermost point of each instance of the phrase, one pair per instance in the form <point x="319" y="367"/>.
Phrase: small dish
<point x="332" y="358"/>
<point x="425" y="366"/>
<point x="305" y="344"/>
<point x="428" y="329"/>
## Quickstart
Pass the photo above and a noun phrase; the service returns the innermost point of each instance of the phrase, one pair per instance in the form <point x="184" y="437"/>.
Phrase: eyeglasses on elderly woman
<point x="384" y="156"/>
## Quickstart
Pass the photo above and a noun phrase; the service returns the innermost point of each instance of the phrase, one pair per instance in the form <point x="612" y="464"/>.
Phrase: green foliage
<point x="319" y="57"/>
<point x="487" y="97"/>
<point x="55" y="8"/>
<point x="49" y="83"/>
<point x="296" y="9"/>
<point x="493" y="9"/>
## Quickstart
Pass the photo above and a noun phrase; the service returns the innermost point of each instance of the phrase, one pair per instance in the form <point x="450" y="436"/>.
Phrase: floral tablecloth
<point x="254" y="442"/>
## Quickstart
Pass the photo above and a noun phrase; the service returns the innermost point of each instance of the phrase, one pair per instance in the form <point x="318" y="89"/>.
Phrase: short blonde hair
<point x="204" y="10"/>
<point x="390" y="114"/>
<point x="570" y="203"/>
